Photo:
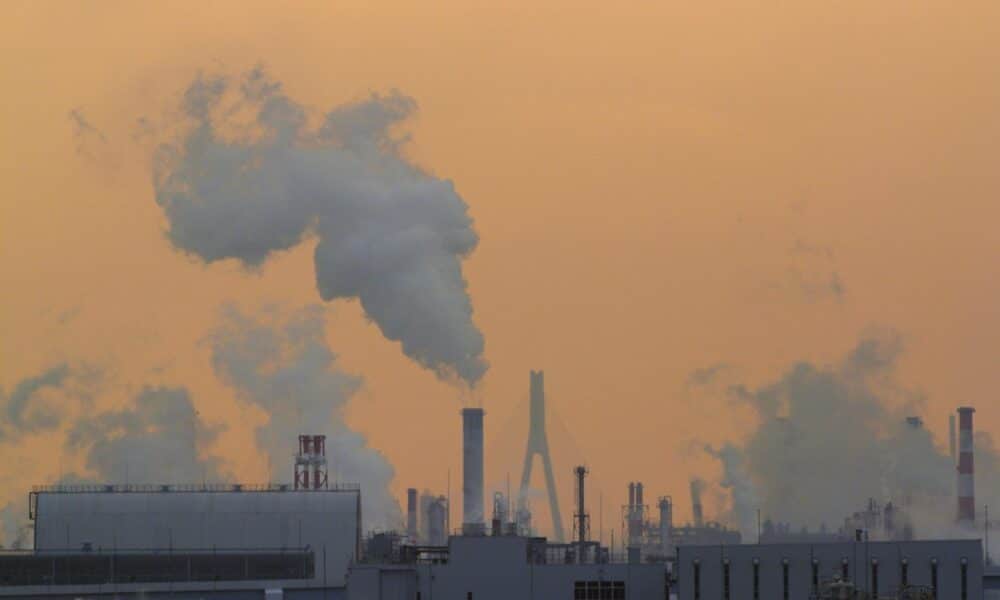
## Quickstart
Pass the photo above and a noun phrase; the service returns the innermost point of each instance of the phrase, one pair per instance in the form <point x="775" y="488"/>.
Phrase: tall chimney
<point x="411" y="514"/>
<point x="472" y="472"/>
<point x="952" y="442"/>
<point x="631" y="496"/>
<point x="638" y="496"/>
<point x="966" y="472"/>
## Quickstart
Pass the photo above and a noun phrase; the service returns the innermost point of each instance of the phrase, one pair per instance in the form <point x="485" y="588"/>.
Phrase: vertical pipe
<point x="472" y="471"/>
<point x="966" y="470"/>
<point x="666" y="525"/>
<point x="581" y="515"/>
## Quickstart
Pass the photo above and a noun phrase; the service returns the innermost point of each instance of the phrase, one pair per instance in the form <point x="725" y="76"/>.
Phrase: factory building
<point x="226" y="541"/>
<point x="505" y="567"/>
<point x="946" y="569"/>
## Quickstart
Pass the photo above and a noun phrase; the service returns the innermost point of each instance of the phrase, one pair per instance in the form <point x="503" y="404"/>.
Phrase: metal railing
<point x="184" y="487"/>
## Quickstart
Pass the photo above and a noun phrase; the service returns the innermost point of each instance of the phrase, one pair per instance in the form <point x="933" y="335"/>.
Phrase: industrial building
<point x="505" y="567"/>
<point x="303" y="540"/>
<point x="946" y="569"/>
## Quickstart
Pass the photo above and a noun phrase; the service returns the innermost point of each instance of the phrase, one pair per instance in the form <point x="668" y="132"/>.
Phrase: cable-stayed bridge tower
<point x="538" y="443"/>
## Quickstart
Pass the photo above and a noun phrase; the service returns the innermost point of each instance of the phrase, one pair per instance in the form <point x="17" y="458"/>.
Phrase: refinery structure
<point x="304" y="540"/>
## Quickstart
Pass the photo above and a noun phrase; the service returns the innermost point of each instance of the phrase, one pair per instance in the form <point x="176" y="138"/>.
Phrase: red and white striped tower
<point x="966" y="472"/>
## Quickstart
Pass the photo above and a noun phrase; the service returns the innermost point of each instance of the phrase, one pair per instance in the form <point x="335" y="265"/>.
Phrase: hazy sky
<point x="658" y="187"/>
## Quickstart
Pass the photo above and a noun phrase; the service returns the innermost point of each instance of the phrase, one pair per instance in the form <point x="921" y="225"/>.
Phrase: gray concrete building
<point x="225" y="541"/>
<point x="949" y="569"/>
<point x="502" y="568"/>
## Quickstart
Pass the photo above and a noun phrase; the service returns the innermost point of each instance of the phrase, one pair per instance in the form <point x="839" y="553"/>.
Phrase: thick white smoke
<point x="284" y="366"/>
<point x="829" y="438"/>
<point x="388" y="233"/>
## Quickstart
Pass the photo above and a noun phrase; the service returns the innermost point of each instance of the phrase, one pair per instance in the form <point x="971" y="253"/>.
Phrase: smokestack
<point x="472" y="472"/>
<point x="952" y="442"/>
<point x="638" y="495"/>
<point x="411" y="514"/>
<point x="666" y="524"/>
<point x="966" y="472"/>
<point x="699" y="520"/>
<point x="631" y="496"/>
<point x="581" y="514"/>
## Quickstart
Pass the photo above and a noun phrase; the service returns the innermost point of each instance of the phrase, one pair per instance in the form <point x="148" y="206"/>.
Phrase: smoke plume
<point x="388" y="233"/>
<point x="158" y="439"/>
<point x="829" y="438"/>
<point x="27" y="409"/>
<point x="285" y="367"/>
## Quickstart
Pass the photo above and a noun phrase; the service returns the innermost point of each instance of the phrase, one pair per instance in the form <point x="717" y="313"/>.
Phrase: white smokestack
<point x="472" y="471"/>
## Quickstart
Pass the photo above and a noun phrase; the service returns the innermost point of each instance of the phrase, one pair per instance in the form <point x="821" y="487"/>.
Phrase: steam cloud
<point x="286" y="368"/>
<point x="828" y="439"/>
<point x="388" y="233"/>
<point x="26" y="410"/>
<point x="156" y="440"/>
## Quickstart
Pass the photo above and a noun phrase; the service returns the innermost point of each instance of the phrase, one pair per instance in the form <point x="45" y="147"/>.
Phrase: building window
<point x="934" y="579"/>
<point x="696" y="579"/>
<point x="599" y="590"/>
<point x="815" y="576"/>
<point x="904" y="573"/>
<point x="965" y="579"/>
<point x="725" y="579"/>
<point x="756" y="579"/>
<point x="875" y="577"/>
<point x="784" y="579"/>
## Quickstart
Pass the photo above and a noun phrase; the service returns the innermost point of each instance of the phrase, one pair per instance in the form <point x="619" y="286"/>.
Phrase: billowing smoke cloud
<point x="285" y="367"/>
<point x="829" y="438"/>
<point x="158" y="439"/>
<point x="388" y="233"/>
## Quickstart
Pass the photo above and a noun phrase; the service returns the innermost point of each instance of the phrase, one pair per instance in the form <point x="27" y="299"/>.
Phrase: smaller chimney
<point x="666" y="525"/>
<point x="411" y="514"/>
<point x="966" y="468"/>
<point x="581" y="513"/>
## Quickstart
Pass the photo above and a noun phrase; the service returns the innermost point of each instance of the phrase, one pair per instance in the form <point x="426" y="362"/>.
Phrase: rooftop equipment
<point x="310" y="463"/>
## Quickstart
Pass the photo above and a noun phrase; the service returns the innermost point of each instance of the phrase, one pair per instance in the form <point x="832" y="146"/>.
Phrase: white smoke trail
<point x="388" y="233"/>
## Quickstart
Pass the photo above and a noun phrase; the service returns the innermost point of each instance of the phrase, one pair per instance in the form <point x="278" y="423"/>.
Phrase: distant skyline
<point x="670" y="198"/>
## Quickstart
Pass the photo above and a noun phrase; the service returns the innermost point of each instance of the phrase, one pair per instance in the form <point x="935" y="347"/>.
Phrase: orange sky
<point x="640" y="173"/>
